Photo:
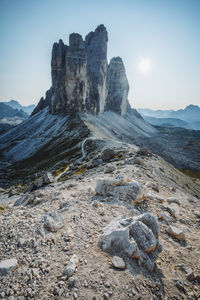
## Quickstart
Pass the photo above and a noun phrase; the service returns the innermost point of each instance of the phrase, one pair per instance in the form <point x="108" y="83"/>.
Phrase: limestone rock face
<point x="135" y="237"/>
<point x="96" y="44"/>
<point x="82" y="81"/>
<point x="118" y="87"/>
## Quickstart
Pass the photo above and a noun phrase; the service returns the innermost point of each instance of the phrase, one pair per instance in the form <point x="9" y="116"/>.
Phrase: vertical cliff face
<point x="118" y="87"/>
<point x="96" y="45"/>
<point x="81" y="78"/>
<point x="69" y="75"/>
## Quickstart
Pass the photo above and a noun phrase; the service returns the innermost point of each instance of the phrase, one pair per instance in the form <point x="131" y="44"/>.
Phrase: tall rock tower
<point x="82" y="81"/>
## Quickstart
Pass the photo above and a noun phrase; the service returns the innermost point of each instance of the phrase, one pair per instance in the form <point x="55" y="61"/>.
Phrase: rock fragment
<point x="107" y="154"/>
<point x="143" y="236"/>
<point x="47" y="178"/>
<point x="197" y="214"/>
<point x="52" y="221"/>
<point x="7" y="266"/>
<point x="118" y="263"/>
<point x="70" y="268"/>
<point x="176" y="233"/>
<point x="173" y="200"/>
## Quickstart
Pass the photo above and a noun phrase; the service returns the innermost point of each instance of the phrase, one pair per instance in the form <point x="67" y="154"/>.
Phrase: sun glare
<point x="144" y="65"/>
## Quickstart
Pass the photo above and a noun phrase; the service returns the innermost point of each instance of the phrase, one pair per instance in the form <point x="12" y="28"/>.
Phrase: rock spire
<point x="82" y="81"/>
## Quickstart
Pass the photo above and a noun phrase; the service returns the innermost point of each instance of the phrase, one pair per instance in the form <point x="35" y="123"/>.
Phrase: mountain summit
<point x="85" y="111"/>
<point x="16" y="105"/>
<point x="82" y="81"/>
<point x="86" y="107"/>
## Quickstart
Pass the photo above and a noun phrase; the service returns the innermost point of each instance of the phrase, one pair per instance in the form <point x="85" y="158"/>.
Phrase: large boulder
<point x="116" y="237"/>
<point x="135" y="237"/>
<point x="119" y="189"/>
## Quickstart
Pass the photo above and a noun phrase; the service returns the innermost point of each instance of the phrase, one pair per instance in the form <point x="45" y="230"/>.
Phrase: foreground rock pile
<point x="98" y="235"/>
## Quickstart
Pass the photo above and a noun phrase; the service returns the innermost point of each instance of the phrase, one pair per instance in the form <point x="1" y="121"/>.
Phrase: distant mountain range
<point x="13" y="113"/>
<point x="187" y="118"/>
<point x="16" y="105"/>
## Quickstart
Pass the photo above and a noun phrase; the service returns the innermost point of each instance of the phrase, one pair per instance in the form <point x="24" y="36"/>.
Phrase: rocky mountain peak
<point x="75" y="40"/>
<point x="118" y="87"/>
<point x="82" y="80"/>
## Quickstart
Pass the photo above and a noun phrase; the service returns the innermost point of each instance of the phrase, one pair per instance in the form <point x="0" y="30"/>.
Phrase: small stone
<point x="190" y="275"/>
<point x="72" y="282"/>
<point x="197" y="214"/>
<point x="164" y="217"/>
<point x="176" y="233"/>
<point x="7" y="266"/>
<point x="21" y="242"/>
<point x="71" y="266"/>
<point x="107" y="154"/>
<point x="75" y="296"/>
<point x="197" y="278"/>
<point x="109" y="169"/>
<point x="118" y="263"/>
<point x="180" y="285"/>
<point x="173" y="200"/>
<point x="172" y="211"/>
<point x="105" y="296"/>
<point x="107" y="284"/>
<point x="53" y="221"/>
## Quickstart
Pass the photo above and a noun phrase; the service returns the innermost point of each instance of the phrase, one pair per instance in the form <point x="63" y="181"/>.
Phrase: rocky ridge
<point x="51" y="244"/>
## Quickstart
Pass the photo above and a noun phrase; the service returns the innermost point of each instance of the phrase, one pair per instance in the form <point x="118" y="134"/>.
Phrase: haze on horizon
<point x="158" y="41"/>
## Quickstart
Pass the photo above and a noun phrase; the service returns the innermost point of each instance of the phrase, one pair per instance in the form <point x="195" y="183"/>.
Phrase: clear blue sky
<point x="165" y="32"/>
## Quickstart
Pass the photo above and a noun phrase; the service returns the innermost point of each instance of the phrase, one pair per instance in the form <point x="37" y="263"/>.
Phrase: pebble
<point x="176" y="233"/>
<point x="173" y="200"/>
<point x="75" y="296"/>
<point x="105" y="296"/>
<point x="118" y="262"/>
<point x="197" y="214"/>
<point x="71" y="266"/>
<point x="107" y="284"/>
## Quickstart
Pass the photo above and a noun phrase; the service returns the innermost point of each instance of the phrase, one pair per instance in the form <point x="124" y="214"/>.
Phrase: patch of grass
<point x="62" y="169"/>
<point x="191" y="173"/>
<point x="80" y="171"/>
<point x="1" y="209"/>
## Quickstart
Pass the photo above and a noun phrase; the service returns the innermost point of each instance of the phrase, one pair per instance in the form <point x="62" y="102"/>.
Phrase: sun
<point x="144" y="65"/>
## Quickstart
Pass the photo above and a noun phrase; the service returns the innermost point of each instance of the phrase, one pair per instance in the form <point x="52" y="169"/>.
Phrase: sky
<point x="158" y="40"/>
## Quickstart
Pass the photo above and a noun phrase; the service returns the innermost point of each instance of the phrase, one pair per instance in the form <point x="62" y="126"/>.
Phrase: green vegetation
<point x="191" y="173"/>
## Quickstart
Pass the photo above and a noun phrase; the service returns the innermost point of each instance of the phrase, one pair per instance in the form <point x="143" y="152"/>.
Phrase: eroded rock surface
<point x="81" y="78"/>
<point x="135" y="237"/>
